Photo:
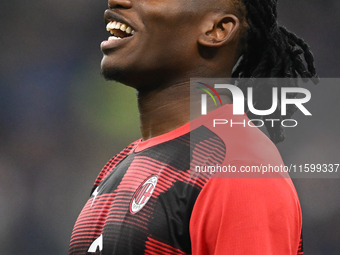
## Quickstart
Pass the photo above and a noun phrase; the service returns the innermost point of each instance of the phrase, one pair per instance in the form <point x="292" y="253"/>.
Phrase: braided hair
<point x="271" y="50"/>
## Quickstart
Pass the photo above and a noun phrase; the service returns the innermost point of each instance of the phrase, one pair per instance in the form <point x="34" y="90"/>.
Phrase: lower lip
<point x="109" y="44"/>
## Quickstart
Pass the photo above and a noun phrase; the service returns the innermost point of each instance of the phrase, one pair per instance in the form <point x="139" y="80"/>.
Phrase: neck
<point x="163" y="110"/>
<point x="166" y="108"/>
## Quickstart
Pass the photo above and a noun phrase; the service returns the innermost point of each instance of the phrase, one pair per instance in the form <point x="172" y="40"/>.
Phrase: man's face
<point x="159" y="43"/>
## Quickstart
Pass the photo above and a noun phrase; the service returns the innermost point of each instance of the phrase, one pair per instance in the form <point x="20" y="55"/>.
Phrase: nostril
<point x="115" y="6"/>
<point x="119" y="4"/>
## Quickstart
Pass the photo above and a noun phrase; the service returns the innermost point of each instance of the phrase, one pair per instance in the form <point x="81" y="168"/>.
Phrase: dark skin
<point x="173" y="42"/>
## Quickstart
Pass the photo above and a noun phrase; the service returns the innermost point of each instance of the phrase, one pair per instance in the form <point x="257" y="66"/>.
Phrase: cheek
<point x="170" y="35"/>
<point x="169" y="24"/>
<point x="168" y="15"/>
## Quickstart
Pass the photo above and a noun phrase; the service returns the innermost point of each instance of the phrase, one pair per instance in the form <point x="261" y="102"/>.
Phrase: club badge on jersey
<point x="143" y="194"/>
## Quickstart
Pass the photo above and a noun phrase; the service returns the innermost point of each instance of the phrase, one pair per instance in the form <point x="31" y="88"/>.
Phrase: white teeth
<point x="117" y="26"/>
<point x="112" y="25"/>
<point x="123" y="27"/>
<point x="114" y="38"/>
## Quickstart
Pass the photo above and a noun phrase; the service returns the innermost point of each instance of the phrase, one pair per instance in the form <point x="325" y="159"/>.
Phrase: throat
<point x="164" y="110"/>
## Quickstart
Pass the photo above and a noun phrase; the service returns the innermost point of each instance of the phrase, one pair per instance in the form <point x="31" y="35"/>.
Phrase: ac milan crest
<point x="143" y="194"/>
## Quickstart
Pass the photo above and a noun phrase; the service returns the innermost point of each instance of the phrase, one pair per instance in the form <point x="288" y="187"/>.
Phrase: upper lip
<point x="110" y="15"/>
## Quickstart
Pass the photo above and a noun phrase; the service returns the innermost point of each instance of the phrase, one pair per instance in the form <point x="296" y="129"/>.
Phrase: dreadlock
<point x="271" y="51"/>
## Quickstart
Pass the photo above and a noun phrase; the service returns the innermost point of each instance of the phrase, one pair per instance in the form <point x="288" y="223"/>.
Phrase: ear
<point x="218" y="29"/>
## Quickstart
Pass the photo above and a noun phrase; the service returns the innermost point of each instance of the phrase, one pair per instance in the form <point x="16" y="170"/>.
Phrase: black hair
<point x="271" y="50"/>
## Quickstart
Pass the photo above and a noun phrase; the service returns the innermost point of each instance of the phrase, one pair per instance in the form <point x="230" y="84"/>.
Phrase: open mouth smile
<point x="119" y="30"/>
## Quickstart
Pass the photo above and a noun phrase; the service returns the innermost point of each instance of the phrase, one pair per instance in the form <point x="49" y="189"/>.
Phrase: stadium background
<point x="60" y="121"/>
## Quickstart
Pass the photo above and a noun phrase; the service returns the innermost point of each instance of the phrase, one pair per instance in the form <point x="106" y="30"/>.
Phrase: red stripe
<point x="154" y="247"/>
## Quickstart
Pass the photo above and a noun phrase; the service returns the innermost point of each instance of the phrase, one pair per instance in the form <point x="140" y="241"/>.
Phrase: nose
<point x="119" y="4"/>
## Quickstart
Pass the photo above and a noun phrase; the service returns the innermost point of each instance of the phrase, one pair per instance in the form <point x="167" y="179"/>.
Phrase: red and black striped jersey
<point x="148" y="200"/>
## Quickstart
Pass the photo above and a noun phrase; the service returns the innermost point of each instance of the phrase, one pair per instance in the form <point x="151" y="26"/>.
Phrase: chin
<point x="110" y="72"/>
<point x="111" y="75"/>
<point x="117" y="75"/>
<point x="107" y="70"/>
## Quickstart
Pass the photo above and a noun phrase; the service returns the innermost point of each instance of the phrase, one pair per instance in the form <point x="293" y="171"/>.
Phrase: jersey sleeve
<point x="246" y="216"/>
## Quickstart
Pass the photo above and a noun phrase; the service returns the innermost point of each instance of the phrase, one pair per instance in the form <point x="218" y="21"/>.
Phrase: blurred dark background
<point x="60" y="121"/>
